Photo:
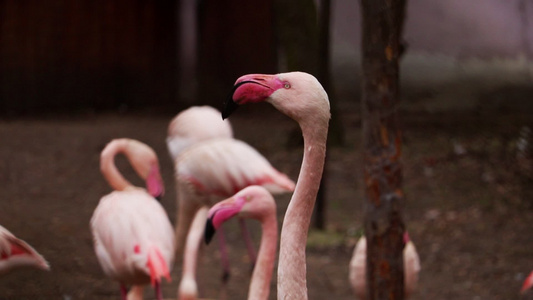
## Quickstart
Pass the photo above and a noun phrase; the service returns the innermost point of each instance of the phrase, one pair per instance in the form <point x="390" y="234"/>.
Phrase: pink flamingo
<point x="257" y="203"/>
<point x="15" y="253"/>
<point x="215" y="169"/>
<point x="193" y="125"/>
<point x="133" y="237"/>
<point x="411" y="265"/>
<point x="528" y="283"/>
<point x="301" y="97"/>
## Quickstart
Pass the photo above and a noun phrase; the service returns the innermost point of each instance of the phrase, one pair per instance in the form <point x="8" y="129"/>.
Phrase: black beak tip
<point x="229" y="107"/>
<point x="209" y="231"/>
<point x="159" y="197"/>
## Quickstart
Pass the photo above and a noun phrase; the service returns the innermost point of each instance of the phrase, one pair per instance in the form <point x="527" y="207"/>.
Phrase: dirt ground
<point x="468" y="207"/>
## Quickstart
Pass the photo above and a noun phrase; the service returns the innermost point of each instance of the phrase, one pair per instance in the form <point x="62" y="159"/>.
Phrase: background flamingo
<point x="257" y="203"/>
<point x="411" y="266"/>
<point x="216" y="169"/>
<point x="15" y="253"/>
<point x="133" y="237"/>
<point x="301" y="97"/>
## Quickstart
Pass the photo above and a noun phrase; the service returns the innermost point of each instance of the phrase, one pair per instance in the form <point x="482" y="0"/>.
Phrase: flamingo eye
<point x="287" y="85"/>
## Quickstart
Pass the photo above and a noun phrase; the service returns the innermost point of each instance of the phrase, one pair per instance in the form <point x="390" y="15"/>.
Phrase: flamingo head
<point x="251" y="202"/>
<point x="154" y="182"/>
<point x="295" y="94"/>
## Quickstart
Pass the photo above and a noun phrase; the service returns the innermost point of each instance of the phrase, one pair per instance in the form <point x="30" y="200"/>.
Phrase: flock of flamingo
<point x="217" y="178"/>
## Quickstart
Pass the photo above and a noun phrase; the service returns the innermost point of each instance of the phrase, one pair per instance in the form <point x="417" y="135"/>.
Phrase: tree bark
<point x="382" y="23"/>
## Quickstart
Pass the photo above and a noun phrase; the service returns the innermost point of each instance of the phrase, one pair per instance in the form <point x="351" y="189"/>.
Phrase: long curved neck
<point x="188" y="289"/>
<point x="292" y="263"/>
<point x="264" y="265"/>
<point x="108" y="167"/>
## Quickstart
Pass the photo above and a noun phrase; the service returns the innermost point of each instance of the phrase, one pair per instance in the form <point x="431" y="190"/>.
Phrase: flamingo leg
<point x="248" y="240"/>
<point x="223" y="255"/>
<point x="158" y="292"/>
<point x="123" y="292"/>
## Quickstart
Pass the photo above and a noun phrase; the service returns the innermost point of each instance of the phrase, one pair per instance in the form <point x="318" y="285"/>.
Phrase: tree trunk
<point x="382" y="140"/>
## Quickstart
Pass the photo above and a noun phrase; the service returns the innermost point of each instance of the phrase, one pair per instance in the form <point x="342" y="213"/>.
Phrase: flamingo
<point x="253" y="202"/>
<point x="411" y="267"/>
<point x="216" y="169"/>
<point x="193" y="125"/>
<point x="133" y="237"/>
<point x="15" y="253"/>
<point x="300" y="96"/>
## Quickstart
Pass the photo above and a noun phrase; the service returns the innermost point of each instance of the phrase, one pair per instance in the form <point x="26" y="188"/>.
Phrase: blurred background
<point x="76" y="74"/>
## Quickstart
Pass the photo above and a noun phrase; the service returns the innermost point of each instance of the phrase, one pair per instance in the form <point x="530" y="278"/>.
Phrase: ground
<point x="467" y="209"/>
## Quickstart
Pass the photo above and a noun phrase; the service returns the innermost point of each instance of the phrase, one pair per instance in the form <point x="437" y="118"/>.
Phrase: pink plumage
<point x="133" y="237"/>
<point x="15" y="253"/>
<point x="357" y="275"/>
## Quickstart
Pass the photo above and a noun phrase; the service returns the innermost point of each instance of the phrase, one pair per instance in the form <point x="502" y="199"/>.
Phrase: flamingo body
<point x="130" y="228"/>
<point x="15" y="253"/>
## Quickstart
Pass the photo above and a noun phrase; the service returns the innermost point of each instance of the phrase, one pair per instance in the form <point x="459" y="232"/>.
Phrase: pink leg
<point x="248" y="240"/>
<point x="158" y="292"/>
<point x="123" y="292"/>
<point x="223" y="255"/>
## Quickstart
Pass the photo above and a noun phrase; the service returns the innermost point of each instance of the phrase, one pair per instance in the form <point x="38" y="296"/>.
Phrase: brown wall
<point x="75" y="54"/>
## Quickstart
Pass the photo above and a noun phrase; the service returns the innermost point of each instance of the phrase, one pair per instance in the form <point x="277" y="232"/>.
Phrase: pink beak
<point x="250" y="88"/>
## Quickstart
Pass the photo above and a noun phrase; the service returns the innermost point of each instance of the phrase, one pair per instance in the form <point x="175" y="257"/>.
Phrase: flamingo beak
<point x="220" y="213"/>
<point x="250" y="88"/>
<point x="209" y="231"/>
<point x="230" y="105"/>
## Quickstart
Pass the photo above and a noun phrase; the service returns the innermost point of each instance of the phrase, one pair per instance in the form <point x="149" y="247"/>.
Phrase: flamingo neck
<point x="264" y="265"/>
<point x="292" y="262"/>
<point x="108" y="167"/>
<point x="188" y="288"/>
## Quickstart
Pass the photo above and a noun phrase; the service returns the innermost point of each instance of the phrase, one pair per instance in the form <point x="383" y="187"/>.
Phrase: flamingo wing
<point x="225" y="166"/>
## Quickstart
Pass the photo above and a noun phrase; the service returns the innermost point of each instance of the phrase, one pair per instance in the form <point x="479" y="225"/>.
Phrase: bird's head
<point x="253" y="202"/>
<point x="295" y="94"/>
<point x="144" y="161"/>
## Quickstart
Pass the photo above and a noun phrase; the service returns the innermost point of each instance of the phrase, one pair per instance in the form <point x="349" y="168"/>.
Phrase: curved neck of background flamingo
<point x="188" y="288"/>
<point x="292" y="263"/>
<point x="264" y="265"/>
<point x="108" y="167"/>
